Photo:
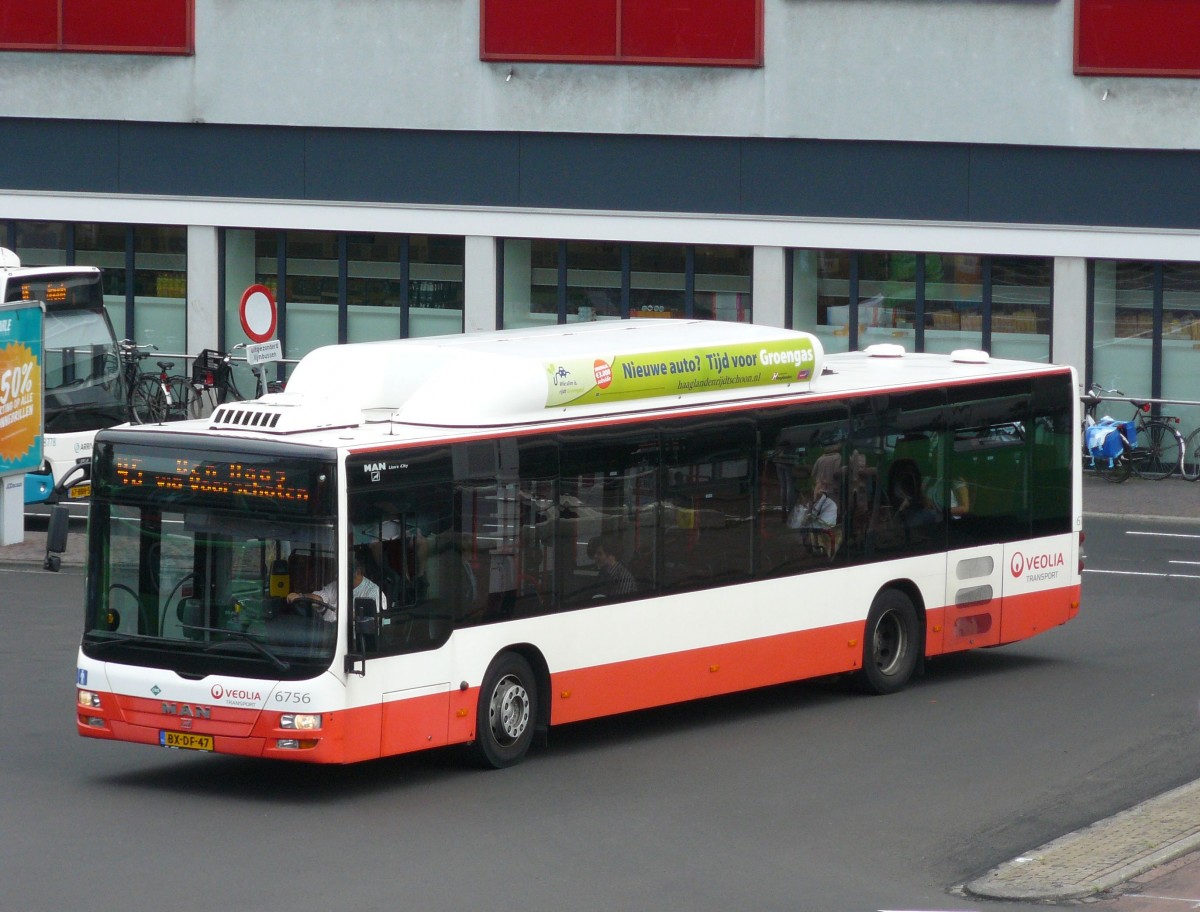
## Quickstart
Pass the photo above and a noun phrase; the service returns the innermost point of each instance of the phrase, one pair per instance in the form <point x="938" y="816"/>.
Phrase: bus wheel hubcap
<point x="891" y="643"/>
<point x="509" y="710"/>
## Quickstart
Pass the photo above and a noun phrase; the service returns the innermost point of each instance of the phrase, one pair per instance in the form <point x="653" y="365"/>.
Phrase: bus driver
<point x="327" y="595"/>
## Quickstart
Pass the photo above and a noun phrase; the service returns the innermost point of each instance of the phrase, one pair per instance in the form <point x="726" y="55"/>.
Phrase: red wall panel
<point x="1137" y="37"/>
<point x="549" y="28"/>
<point x="717" y="32"/>
<point x="142" y="24"/>
<point x="29" y="22"/>
<point x="136" y="26"/>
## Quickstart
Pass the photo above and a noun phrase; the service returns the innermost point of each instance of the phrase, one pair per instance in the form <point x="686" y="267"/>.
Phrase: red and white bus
<point x="559" y="524"/>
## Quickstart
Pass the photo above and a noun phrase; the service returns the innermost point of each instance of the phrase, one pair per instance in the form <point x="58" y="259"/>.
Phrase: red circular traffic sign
<point x="257" y="313"/>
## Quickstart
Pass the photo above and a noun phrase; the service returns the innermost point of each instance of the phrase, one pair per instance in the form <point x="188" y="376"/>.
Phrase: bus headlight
<point x="88" y="699"/>
<point x="300" y="721"/>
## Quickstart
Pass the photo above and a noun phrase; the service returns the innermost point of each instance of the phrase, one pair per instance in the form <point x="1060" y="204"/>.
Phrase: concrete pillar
<point x="203" y="312"/>
<point x="769" y="286"/>
<point x="479" y="284"/>
<point x="1068" y="343"/>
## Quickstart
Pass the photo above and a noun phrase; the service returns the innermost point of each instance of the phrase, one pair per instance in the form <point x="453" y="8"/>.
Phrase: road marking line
<point x="1162" y="534"/>
<point x="1195" y="902"/>
<point x="1143" y="573"/>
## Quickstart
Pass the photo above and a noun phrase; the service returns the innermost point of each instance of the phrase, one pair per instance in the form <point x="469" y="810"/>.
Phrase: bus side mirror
<point x="56" y="537"/>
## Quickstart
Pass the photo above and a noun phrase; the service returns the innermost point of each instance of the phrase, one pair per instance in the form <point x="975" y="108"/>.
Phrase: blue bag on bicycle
<point x="1103" y="438"/>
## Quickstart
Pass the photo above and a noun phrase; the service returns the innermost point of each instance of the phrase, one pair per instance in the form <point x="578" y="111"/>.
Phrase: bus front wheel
<point x="891" y="643"/>
<point x="507" y="713"/>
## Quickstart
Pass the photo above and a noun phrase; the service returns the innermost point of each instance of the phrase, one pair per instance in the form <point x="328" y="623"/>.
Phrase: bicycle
<point x="150" y="396"/>
<point x="214" y="383"/>
<point x="1190" y="463"/>
<point x="1104" y="440"/>
<point x="1161" y="456"/>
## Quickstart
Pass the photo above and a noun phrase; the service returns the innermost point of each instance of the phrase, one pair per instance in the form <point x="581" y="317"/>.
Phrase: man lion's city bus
<point x="468" y="539"/>
<point x="81" y="372"/>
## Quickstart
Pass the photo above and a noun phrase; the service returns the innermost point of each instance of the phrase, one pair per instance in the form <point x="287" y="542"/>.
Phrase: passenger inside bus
<point x="910" y="501"/>
<point x="616" y="580"/>
<point x="816" y="519"/>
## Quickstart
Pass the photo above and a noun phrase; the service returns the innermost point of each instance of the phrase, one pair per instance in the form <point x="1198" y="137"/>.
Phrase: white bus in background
<point x="469" y="539"/>
<point x="81" y="376"/>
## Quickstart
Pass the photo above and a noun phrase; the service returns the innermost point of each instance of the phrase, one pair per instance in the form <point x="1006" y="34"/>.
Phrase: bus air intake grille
<point x="279" y="416"/>
<point x="254" y="419"/>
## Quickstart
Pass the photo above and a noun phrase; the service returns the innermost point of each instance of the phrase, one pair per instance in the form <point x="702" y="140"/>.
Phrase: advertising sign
<point x="587" y="381"/>
<point x="20" y="387"/>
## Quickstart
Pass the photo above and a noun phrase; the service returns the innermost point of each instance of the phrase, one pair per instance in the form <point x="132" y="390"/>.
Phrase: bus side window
<point x="608" y="489"/>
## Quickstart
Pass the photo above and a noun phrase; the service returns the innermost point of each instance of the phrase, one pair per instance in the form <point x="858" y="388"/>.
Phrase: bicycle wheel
<point x="1191" y="456"/>
<point x="228" y="390"/>
<point x="181" y="389"/>
<point x="1159" y="456"/>
<point x="141" y="400"/>
<point x="157" y="399"/>
<point x="1116" y="470"/>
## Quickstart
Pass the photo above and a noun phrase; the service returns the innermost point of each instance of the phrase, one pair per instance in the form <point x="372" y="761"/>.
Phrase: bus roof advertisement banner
<point x="645" y="375"/>
<point x="20" y="387"/>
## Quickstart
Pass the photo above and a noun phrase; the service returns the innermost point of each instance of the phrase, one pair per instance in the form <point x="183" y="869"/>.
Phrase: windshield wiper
<point x="117" y="640"/>
<point x="245" y="637"/>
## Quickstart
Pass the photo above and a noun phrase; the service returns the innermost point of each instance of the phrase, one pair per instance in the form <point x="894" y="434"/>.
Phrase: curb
<point x="1101" y="856"/>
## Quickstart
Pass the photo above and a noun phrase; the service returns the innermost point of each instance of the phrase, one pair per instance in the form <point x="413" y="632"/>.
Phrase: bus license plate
<point x="185" y="740"/>
<point x="78" y="492"/>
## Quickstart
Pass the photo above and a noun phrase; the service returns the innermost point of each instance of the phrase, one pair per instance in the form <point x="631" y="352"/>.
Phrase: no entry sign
<point x="258" y="313"/>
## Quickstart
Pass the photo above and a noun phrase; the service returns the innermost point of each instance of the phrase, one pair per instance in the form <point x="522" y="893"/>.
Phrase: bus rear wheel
<point x="507" y="713"/>
<point x="891" y="643"/>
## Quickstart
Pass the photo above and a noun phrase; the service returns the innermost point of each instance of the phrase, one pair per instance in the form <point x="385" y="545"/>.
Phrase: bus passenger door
<point x="974" y="587"/>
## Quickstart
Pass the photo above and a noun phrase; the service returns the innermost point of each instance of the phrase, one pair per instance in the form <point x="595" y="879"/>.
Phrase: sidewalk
<point x="1141" y="499"/>
<point x="1106" y="854"/>
<point x="32" y="551"/>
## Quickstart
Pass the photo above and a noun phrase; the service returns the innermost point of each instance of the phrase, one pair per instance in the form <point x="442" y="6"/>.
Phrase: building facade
<point x="1019" y="176"/>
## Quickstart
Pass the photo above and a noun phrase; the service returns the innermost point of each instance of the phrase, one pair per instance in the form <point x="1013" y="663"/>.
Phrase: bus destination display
<point x="207" y="476"/>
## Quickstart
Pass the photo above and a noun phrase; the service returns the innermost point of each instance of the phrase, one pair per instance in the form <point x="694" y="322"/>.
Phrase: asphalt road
<point x="802" y="797"/>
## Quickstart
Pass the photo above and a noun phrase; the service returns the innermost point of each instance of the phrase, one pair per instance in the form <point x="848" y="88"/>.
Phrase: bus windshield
<point x="84" y="390"/>
<point x="195" y="557"/>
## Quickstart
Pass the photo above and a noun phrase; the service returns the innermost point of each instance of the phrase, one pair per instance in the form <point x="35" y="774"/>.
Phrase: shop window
<point x="160" y="287"/>
<point x="657" y="280"/>
<point x="722" y="290"/>
<point x="436" y="294"/>
<point x="41" y="243"/>
<point x="149" y="302"/>
<point x="1137" y="38"/>
<point x="351" y="287"/>
<point x="691" y="32"/>
<point x="935" y="302"/>
<point x="820" y="295"/>
<point x="1021" y="307"/>
<point x="546" y="282"/>
<point x="953" y="302"/>
<point x="122" y="26"/>
<point x="1123" y="325"/>
<point x="887" y="297"/>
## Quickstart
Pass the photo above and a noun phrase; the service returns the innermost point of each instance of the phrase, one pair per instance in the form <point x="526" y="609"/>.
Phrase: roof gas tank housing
<point x="531" y="375"/>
